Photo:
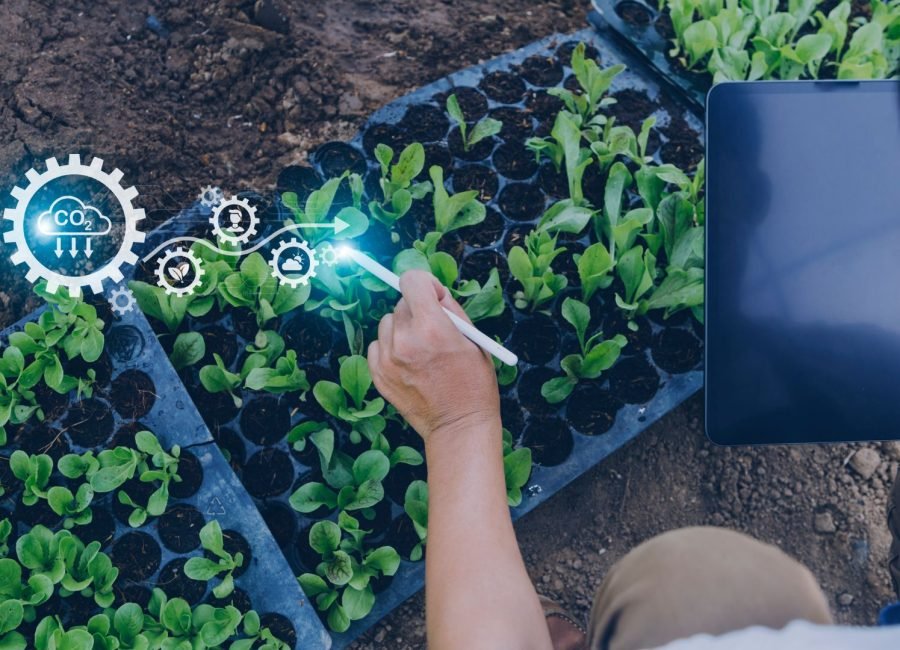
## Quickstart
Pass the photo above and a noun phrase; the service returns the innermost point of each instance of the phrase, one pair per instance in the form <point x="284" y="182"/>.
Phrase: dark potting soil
<point x="235" y="543"/>
<point x="549" y="439"/>
<point x="402" y="535"/>
<point x="480" y="178"/>
<point x="124" y="435"/>
<point x="638" y="340"/>
<point x="77" y="608"/>
<point x="516" y="236"/>
<point x="592" y="409"/>
<point x="543" y="105"/>
<point x="634" y="379"/>
<point x="39" y="514"/>
<point x="311" y="337"/>
<point x="478" y="266"/>
<point x="176" y="584"/>
<point x="102" y="367"/>
<point x="334" y="158"/>
<point x="487" y="233"/>
<point x="137" y="556"/>
<point x="383" y="134"/>
<point x="514" y="161"/>
<point x="53" y="404"/>
<point x="89" y="423"/>
<point x="133" y="394"/>
<point x="453" y="245"/>
<point x="512" y="416"/>
<point x="566" y="265"/>
<point x="399" y="478"/>
<point x="593" y="184"/>
<point x="499" y="326"/>
<point x="553" y="181"/>
<point x="664" y="27"/>
<point x="478" y="151"/>
<point x="302" y="553"/>
<point x="138" y="491"/>
<point x="377" y="518"/>
<point x="676" y="350"/>
<point x="265" y="420"/>
<point x="632" y="106"/>
<point x="380" y="583"/>
<point x="216" y="408"/>
<point x="219" y="341"/>
<point x="436" y="153"/>
<point x="521" y="201"/>
<point x="541" y="70"/>
<point x="179" y="528"/>
<point x="231" y="445"/>
<point x="564" y="51"/>
<point x="683" y="149"/>
<point x="425" y="123"/>
<point x="503" y="87"/>
<point x="529" y="389"/>
<point x="244" y="323"/>
<point x="281" y="521"/>
<point x="536" y="339"/>
<point x="191" y="472"/>
<point x="280" y="626"/>
<point x="102" y="527"/>
<point x="130" y="593"/>
<point x="473" y="104"/>
<point x="268" y="473"/>
<point x="41" y="438"/>
<point x="300" y="179"/>
<point x="633" y="13"/>
<point x="517" y="123"/>
<point x="237" y="598"/>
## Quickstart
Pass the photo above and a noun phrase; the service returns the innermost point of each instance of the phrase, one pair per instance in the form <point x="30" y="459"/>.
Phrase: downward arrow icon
<point x="59" y="250"/>
<point x="87" y="248"/>
<point x="74" y="250"/>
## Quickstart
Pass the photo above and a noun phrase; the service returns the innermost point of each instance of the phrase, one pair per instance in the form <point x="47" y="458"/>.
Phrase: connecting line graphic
<point x="339" y="225"/>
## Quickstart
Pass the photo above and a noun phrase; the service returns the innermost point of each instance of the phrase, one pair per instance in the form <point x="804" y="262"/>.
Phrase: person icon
<point x="235" y="217"/>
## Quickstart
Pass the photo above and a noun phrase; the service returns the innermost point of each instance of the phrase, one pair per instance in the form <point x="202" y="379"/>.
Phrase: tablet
<point x="803" y="262"/>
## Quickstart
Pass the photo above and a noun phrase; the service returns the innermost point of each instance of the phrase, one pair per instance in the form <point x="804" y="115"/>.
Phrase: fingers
<point x="402" y="313"/>
<point x="386" y="335"/>
<point x="422" y="292"/>
<point x="451" y="305"/>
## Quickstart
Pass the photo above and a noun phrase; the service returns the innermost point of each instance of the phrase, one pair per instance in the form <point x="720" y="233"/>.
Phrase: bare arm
<point x="478" y="593"/>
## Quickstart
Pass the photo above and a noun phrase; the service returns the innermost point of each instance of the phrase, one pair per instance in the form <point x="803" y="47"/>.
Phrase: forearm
<point x="478" y="593"/>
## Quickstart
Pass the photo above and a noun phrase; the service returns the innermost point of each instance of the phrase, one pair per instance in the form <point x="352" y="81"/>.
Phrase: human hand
<point x="435" y="377"/>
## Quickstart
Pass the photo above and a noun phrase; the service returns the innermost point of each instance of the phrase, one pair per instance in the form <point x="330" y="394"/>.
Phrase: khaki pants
<point x="700" y="580"/>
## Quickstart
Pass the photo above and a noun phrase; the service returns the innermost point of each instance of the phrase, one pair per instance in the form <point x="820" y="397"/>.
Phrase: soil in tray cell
<point x="191" y="472"/>
<point x="137" y="556"/>
<point x="565" y="264"/>
<point x="634" y="380"/>
<point x="102" y="527"/>
<point x="216" y="408"/>
<point x="631" y="108"/>
<point x="281" y="520"/>
<point x="89" y="423"/>
<point x="310" y="336"/>
<point x="124" y="435"/>
<point x="634" y="13"/>
<point x="219" y="341"/>
<point x="102" y="367"/>
<point x="683" y="149"/>
<point x="549" y="439"/>
<point x="676" y="350"/>
<point x="539" y="70"/>
<point x="53" y="404"/>
<point x="564" y="52"/>
<point x="138" y="491"/>
<point x="473" y="104"/>
<point x="515" y="236"/>
<point x="133" y="394"/>
<point x="381" y="517"/>
<point x="244" y="322"/>
<point x="334" y="158"/>
<point x="299" y="179"/>
<point x="280" y="626"/>
<point x="302" y="553"/>
<point x="76" y="609"/>
<point x="238" y="598"/>
<point x="265" y="420"/>
<point x="638" y="340"/>
<point x="512" y="416"/>
<point x="499" y="326"/>
<point x="453" y="245"/>
<point x="536" y="339"/>
<point x="503" y="87"/>
<point x="529" y="389"/>
<point x="176" y="584"/>
<point x="235" y="543"/>
<point x="480" y="178"/>
<point x="41" y="438"/>
<point x="402" y="535"/>
<point x="592" y="408"/>
<point x="129" y="593"/>
<point x="487" y="233"/>
<point x="663" y="26"/>
<point x="399" y="478"/>
<point x="387" y="134"/>
<point x="424" y="123"/>
<point x="438" y="154"/>
<point x="478" y="151"/>
<point x="478" y="265"/>
<point x="179" y="528"/>
<point x="593" y="184"/>
<point x="231" y="445"/>
<point x="543" y="105"/>
<point x="268" y="473"/>
<point x="553" y="181"/>
<point x="39" y="514"/>
<point x="514" y="161"/>
<point x="521" y="201"/>
<point x="518" y="124"/>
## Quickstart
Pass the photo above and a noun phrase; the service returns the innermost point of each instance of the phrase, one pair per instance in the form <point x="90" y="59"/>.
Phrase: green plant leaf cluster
<point x="484" y="128"/>
<point x="398" y="186"/>
<point x="204" y="569"/>
<point x="532" y="266"/>
<point x="516" y="469"/>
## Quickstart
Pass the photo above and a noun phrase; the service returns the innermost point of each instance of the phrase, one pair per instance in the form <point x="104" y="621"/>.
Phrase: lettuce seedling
<point x="516" y="470"/>
<point x="257" y="636"/>
<point x="484" y="128"/>
<point x="34" y="473"/>
<point x="456" y="211"/>
<point x="594" y="83"/>
<point x="75" y="508"/>
<point x="347" y="400"/>
<point x="361" y="490"/>
<point x="189" y="348"/>
<point x="19" y="599"/>
<point x="5" y="532"/>
<point x="204" y="569"/>
<point x="636" y="269"/>
<point x="532" y="267"/>
<point x="415" y="505"/>
<point x="87" y="571"/>
<point x="315" y="433"/>
<point x="595" y="357"/>
<point x="39" y="551"/>
<point x="50" y="635"/>
<point x="170" y="623"/>
<point x="318" y="208"/>
<point x="397" y="183"/>
<point x="594" y="269"/>
<point x="253" y="286"/>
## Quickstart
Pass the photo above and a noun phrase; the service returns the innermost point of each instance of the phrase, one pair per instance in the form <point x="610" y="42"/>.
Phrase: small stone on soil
<point x="824" y="523"/>
<point x="865" y="462"/>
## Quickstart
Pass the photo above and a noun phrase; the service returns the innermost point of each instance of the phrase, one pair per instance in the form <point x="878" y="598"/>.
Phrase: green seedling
<point x="34" y="473"/>
<point x="456" y="211"/>
<point x="636" y="269"/>
<point x="532" y="267"/>
<point x="362" y="489"/>
<point x="595" y="267"/>
<point x="170" y="623"/>
<point x="516" y="470"/>
<point x="75" y="508"/>
<point x="189" y="348"/>
<point x="317" y="434"/>
<point x="595" y="357"/>
<point x="5" y="532"/>
<point x="19" y="598"/>
<point x="253" y="286"/>
<point x="257" y="636"/>
<point x="415" y="505"/>
<point x="485" y="128"/>
<point x="318" y="208"/>
<point x="87" y="571"/>
<point x="348" y="401"/>
<point x="204" y="569"/>
<point x="593" y="82"/>
<point x="398" y="186"/>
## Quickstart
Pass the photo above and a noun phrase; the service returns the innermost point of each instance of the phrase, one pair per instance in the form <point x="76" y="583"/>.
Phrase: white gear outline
<point x="245" y="236"/>
<point x="328" y="253"/>
<point x="210" y="196"/>
<point x="303" y="278"/>
<point x="112" y="270"/>
<point x="114" y="300"/>
<point x="199" y="271"/>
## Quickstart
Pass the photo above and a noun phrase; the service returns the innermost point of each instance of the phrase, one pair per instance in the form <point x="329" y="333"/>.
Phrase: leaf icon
<point x="180" y="271"/>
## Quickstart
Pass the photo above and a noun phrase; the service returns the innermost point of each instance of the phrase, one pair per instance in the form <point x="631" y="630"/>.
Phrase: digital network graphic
<point x="74" y="225"/>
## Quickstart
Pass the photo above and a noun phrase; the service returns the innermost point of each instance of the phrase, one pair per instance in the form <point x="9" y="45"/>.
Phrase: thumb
<point x="422" y="292"/>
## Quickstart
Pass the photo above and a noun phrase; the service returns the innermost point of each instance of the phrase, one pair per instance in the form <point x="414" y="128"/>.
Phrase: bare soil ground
<point x="179" y="95"/>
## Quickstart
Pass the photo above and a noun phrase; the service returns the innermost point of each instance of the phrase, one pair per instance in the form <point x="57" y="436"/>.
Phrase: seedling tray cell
<point x="137" y="389"/>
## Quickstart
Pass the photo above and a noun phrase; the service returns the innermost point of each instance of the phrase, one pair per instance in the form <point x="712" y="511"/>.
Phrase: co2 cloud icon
<point x="69" y="216"/>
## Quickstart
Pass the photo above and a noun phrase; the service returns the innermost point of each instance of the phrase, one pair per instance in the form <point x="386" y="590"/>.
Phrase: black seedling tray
<point x="137" y="389"/>
<point x="646" y="30"/>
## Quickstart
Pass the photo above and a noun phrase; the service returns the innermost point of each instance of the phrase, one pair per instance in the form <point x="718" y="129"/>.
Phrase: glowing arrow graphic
<point x="59" y="248"/>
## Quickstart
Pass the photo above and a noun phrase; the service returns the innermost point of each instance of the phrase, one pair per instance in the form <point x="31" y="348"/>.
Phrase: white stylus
<point x="469" y="331"/>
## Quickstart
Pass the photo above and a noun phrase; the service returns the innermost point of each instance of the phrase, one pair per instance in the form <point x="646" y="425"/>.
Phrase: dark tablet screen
<point x="803" y="262"/>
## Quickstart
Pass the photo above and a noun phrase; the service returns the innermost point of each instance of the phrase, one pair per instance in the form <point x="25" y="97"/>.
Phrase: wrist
<point x="463" y="432"/>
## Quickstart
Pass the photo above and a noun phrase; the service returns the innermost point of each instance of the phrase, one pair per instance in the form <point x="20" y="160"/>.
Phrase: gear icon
<point x="303" y="263"/>
<point x="179" y="272"/>
<point x="211" y="196"/>
<point x="121" y="299"/>
<point x="112" y="270"/>
<point x="236" y="231"/>
<point x="328" y="254"/>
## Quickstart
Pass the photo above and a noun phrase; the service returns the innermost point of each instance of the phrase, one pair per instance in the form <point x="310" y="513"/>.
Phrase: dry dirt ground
<point x="180" y="94"/>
